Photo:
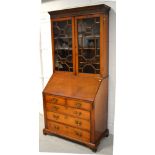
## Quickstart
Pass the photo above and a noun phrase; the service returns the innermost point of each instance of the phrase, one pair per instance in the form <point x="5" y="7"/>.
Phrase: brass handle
<point x="78" y="104"/>
<point x="54" y="100"/>
<point x="56" y="127"/>
<point x="78" y="134"/>
<point x="55" y="108"/>
<point x="78" y="123"/>
<point x="77" y="113"/>
<point x="56" y="116"/>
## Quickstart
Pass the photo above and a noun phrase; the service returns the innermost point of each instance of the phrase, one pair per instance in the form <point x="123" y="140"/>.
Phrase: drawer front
<point x="68" y="131"/>
<point x="68" y="110"/>
<point x="55" y="100"/>
<point x="75" y="122"/>
<point x="79" y="104"/>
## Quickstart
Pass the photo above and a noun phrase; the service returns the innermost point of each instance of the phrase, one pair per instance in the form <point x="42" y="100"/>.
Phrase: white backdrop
<point x="20" y="87"/>
<point x="46" y="52"/>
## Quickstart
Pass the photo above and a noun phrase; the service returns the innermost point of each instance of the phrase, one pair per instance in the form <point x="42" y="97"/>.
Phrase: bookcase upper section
<point x="80" y="40"/>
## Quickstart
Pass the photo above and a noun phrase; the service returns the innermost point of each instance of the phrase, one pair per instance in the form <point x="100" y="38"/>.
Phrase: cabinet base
<point x="92" y="146"/>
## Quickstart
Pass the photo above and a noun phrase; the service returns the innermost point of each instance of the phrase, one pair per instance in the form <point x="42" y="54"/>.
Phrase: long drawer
<point x="75" y="122"/>
<point x="68" y="131"/>
<point x="68" y="110"/>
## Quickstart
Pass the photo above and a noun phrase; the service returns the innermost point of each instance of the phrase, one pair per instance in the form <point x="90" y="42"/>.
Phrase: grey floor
<point x="58" y="145"/>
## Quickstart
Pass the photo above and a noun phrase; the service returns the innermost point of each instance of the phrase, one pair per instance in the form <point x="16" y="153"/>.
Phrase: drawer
<point x="68" y="110"/>
<point x="55" y="99"/>
<point x="79" y="104"/>
<point x="75" y="122"/>
<point x="68" y="131"/>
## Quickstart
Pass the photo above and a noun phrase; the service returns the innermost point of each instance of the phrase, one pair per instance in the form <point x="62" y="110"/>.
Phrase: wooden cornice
<point x="102" y="8"/>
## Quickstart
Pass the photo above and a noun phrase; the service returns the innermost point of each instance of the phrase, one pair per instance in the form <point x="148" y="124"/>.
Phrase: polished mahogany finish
<point x="76" y="96"/>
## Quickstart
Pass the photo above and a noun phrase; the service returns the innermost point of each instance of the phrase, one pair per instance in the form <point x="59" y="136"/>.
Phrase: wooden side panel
<point x="105" y="42"/>
<point x="101" y="109"/>
<point x="52" y="43"/>
<point x="101" y="46"/>
<point x="93" y="125"/>
<point x="44" y="107"/>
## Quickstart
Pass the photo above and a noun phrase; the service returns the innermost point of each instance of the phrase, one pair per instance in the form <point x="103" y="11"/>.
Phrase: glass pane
<point x="63" y="45"/>
<point x="89" y="45"/>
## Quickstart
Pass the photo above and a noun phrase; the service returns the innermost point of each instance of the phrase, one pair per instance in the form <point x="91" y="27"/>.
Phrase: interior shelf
<point x="63" y="48"/>
<point x="62" y="37"/>
<point x="88" y="48"/>
<point x="89" y="36"/>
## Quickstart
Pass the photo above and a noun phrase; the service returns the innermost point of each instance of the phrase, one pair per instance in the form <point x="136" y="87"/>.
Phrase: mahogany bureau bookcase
<point x="75" y="98"/>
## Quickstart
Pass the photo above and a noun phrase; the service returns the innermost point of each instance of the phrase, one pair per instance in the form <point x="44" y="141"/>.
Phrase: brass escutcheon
<point x="56" y="127"/>
<point x="78" y="104"/>
<point x="79" y="123"/>
<point x="77" y="113"/>
<point x="55" y="108"/>
<point x="54" y="100"/>
<point x="56" y="116"/>
<point x="78" y="134"/>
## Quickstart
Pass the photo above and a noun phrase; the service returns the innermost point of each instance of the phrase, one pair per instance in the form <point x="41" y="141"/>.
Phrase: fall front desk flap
<point x="69" y="85"/>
